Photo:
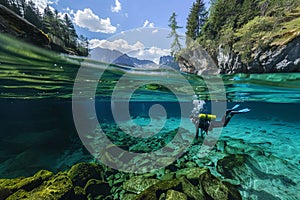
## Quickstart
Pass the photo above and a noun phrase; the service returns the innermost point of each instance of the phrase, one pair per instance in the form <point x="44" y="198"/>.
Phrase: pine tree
<point x="32" y="14"/>
<point x="21" y="4"/>
<point x="47" y="20"/>
<point x="70" y="32"/>
<point x="196" y="19"/>
<point x="176" y="46"/>
<point x="4" y="3"/>
<point x="83" y="45"/>
<point x="14" y="6"/>
<point x="60" y="30"/>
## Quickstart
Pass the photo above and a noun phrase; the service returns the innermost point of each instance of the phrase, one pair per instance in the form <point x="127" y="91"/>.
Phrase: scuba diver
<point x="206" y="122"/>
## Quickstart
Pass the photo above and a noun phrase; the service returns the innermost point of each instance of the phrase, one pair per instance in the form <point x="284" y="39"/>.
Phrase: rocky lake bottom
<point x="252" y="159"/>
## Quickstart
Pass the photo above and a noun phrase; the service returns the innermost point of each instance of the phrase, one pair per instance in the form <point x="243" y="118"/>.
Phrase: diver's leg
<point x="227" y="118"/>
<point x="230" y="114"/>
<point x="197" y="128"/>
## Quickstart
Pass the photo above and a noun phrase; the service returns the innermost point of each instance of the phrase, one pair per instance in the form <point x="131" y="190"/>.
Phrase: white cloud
<point x="69" y="11"/>
<point x="148" y="24"/>
<point x="152" y="53"/>
<point x="117" y="8"/>
<point x="53" y="2"/>
<point x="119" y="44"/>
<point x="87" y="19"/>
<point x="137" y="50"/>
<point x="155" y="31"/>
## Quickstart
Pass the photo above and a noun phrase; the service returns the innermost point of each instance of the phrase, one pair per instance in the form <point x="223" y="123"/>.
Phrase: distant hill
<point x="116" y="57"/>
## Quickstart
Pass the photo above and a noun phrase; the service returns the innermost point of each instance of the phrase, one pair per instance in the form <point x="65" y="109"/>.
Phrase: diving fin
<point x="245" y="110"/>
<point x="235" y="107"/>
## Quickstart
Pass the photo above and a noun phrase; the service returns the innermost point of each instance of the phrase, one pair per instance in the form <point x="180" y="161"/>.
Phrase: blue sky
<point x="114" y="24"/>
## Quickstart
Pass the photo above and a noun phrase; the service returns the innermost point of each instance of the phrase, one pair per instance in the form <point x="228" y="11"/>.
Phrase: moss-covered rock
<point x="173" y="194"/>
<point x="58" y="187"/>
<point x="82" y="172"/>
<point x="195" y="183"/>
<point x="20" y="194"/>
<point x="191" y="173"/>
<point x="10" y="186"/>
<point x="217" y="189"/>
<point x="226" y="165"/>
<point x="193" y="192"/>
<point x="137" y="184"/>
<point x="95" y="188"/>
<point x="128" y="196"/>
<point x="79" y="193"/>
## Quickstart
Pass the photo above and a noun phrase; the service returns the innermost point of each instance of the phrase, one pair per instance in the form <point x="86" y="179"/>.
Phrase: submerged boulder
<point x="195" y="183"/>
<point x="58" y="187"/>
<point x="10" y="186"/>
<point x="173" y="194"/>
<point x="217" y="189"/>
<point x="138" y="184"/>
<point x="226" y="165"/>
<point x="95" y="188"/>
<point x="82" y="172"/>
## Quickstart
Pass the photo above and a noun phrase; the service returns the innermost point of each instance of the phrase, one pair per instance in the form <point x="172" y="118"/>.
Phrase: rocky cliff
<point x="249" y="37"/>
<point x="276" y="59"/>
<point x="285" y="58"/>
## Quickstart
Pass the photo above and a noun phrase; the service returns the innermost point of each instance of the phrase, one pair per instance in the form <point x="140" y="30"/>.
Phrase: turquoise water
<point x="38" y="131"/>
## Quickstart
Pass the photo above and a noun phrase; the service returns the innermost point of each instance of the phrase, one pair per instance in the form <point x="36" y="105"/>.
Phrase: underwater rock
<point x="173" y="194"/>
<point x="140" y="148"/>
<point x="191" y="173"/>
<point x="193" y="192"/>
<point x="96" y="188"/>
<point x="79" y="193"/>
<point x="82" y="172"/>
<point x="154" y="192"/>
<point x="226" y="165"/>
<point x="57" y="188"/>
<point x="217" y="189"/>
<point x="128" y="196"/>
<point x="195" y="183"/>
<point x="10" y="186"/>
<point x="190" y="164"/>
<point x="137" y="184"/>
<point x="181" y="185"/>
<point x="20" y="194"/>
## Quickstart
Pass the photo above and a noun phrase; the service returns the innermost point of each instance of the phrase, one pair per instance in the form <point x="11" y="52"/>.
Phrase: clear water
<point x="38" y="132"/>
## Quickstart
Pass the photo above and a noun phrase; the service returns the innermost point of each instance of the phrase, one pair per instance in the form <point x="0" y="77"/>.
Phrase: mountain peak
<point x="116" y="57"/>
